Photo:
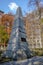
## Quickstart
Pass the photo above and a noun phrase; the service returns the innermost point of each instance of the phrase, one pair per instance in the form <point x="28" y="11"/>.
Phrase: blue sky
<point x="11" y="5"/>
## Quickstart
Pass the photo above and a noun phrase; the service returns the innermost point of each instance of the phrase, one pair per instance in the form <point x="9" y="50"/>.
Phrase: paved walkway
<point x="32" y="61"/>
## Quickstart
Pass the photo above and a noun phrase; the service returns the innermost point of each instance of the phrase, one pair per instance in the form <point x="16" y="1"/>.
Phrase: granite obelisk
<point x="17" y="47"/>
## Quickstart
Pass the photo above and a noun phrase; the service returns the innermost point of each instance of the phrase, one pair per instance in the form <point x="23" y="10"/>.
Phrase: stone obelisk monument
<point x="17" y="47"/>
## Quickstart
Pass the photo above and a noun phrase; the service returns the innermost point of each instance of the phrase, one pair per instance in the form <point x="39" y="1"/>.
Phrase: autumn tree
<point x="3" y="35"/>
<point x="37" y="5"/>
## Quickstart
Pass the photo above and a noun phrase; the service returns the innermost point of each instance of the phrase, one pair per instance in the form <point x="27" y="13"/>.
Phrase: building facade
<point x="33" y="28"/>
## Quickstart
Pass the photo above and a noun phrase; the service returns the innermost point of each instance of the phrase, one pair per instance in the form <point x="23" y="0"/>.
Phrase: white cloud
<point x="13" y="6"/>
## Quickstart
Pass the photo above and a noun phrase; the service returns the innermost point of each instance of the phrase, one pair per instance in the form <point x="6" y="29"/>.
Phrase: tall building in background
<point x="33" y="28"/>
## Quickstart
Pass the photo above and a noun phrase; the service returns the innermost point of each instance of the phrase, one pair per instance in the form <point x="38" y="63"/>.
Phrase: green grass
<point x="42" y="20"/>
<point x="38" y="52"/>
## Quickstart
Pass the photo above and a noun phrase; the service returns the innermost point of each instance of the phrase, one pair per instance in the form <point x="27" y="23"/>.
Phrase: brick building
<point x="34" y="30"/>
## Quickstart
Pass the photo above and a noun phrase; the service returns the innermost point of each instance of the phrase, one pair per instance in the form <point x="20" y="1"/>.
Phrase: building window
<point x="33" y="37"/>
<point x="30" y="45"/>
<point x="23" y="39"/>
<point x="38" y="44"/>
<point x="34" y="45"/>
<point x="37" y="40"/>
